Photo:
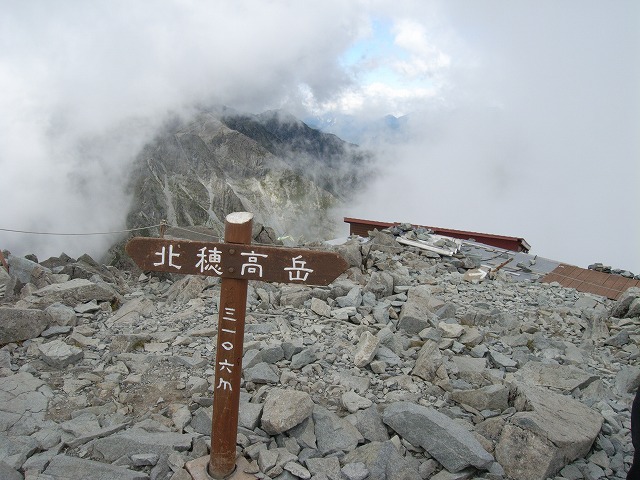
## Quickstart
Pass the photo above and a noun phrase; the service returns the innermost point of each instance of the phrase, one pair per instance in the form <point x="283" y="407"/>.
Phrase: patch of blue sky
<point x="371" y="59"/>
<point x="378" y="45"/>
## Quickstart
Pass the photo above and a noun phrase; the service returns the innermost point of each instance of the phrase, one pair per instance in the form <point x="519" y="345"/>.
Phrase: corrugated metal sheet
<point x="590" y="281"/>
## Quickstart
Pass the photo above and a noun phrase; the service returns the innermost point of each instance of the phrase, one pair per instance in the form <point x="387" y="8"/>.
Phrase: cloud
<point x="84" y="85"/>
<point x="532" y="130"/>
<point x="524" y="117"/>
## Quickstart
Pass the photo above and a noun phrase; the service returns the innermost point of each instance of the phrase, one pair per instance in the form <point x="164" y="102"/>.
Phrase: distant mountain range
<point x="288" y="174"/>
<point x="361" y="131"/>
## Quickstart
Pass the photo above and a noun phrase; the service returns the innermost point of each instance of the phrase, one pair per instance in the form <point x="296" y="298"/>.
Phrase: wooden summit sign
<point x="237" y="262"/>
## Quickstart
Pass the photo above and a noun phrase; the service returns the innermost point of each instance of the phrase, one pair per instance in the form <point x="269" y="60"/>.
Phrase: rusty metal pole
<point x="228" y="367"/>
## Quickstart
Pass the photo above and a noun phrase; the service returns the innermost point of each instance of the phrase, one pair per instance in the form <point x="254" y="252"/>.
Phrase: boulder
<point x="73" y="468"/>
<point x="383" y="461"/>
<point x="334" y="434"/>
<point x="27" y="271"/>
<point x="552" y="432"/>
<point x="491" y="397"/>
<point x="565" y="378"/>
<point x="72" y="293"/>
<point x="18" y="324"/>
<point x="366" y="349"/>
<point x="429" y="363"/>
<point x="445" y="440"/>
<point x="380" y="284"/>
<point x="284" y="409"/>
<point x="59" y="354"/>
<point x="136" y="441"/>
<point x="418" y="311"/>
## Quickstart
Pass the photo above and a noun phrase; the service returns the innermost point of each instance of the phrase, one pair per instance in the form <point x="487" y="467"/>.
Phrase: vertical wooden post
<point x="163" y="228"/>
<point x="228" y="367"/>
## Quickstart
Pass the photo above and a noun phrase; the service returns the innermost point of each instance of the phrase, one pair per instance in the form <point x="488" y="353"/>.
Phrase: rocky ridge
<point x="289" y="175"/>
<point x="401" y="369"/>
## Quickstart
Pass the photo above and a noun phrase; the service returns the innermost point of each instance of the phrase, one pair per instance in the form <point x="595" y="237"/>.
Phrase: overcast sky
<point x="524" y="116"/>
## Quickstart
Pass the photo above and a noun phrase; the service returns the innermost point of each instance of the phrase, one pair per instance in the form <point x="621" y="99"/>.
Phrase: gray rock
<point x="124" y="343"/>
<point x="303" y="358"/>
<point x="334" y="434"/>
<point x="370" y="425"/>
<point x="554" y="431"/>
<point x="491" y="397"/>
<point x="187" y="288"/>
<point x="249" y="415"/>
<point x="18" y="324"/>
<point x="354" y="402"/>
<point x="355" y="471"/>
<point x="14" y="450"/>
<point x="132" y="311"/>
<point x="351" y="253"/>
<point x="73" y="468"/>
<point x="327" y="465"/>
<point x="56" y="330"/>
<point x="284" y="409"/>
<point x="72" y="293"/>
<point x="352" y="382"/>
<point x="260" y="373"/>
<point x="562" y="377"/>
<point x="297" y="470"/>
<point x="634" y="309"/>
<point x="453" y="446"/>
<point x="23" y="406"/>
<point x="144" y="459"/>
<point x="351" y="299"/>
<point x="381" y="313"/>
<point x="294" y="296"/>
<point x="450" y="330"/>
<point x="383" y="461"/>
<point x="627" y="379"/>
<point x="344" y="313"/>
<point x="61" y="315"/>
<point x="267" y="459"/>
<point x="88" y="307"/>
<point x="9" y="473"/>
<point x="501" y="361"/>
<point x="387" y="356"/>
<point x="416" y="313"/>
<point x="202" y="419"/>
<point x="27" y="271"/>
<point x="304" y="433"/>
<point x="621" y="307"/>
<point x="618" y="340"/>
<point x="470" y="369"/>
<point x="138" y="441"/>
<point x="366" y="349"/>
<point x="429" y="362"/>
<point x="58" y="354"/>
<point x="380" y="284"/>
<point x="320" y="307"/>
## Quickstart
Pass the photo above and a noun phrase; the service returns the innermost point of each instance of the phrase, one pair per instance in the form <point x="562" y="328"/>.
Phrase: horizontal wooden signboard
<point x="231" y="260"/>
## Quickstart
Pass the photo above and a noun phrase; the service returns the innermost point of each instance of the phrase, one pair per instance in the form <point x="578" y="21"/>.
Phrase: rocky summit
<point x="402" y="369"/>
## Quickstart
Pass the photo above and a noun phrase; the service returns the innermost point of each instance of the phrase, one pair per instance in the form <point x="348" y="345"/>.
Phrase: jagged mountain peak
<point x="289" y="175"/>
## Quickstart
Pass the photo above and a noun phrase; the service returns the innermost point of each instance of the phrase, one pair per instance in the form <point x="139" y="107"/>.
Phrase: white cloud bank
<point x="525" y="115"/>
